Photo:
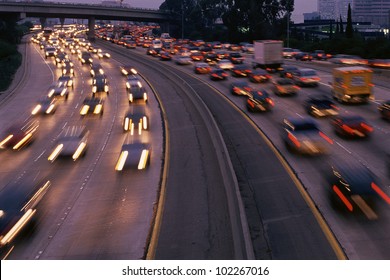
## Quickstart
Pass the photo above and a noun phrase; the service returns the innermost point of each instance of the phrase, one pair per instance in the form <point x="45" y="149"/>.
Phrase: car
<point x="67" y="68"/>
<point x="284" y="86"/>
<point x="352" y="126"/>
<point x="133" y="80"/>
<point x="183" y="60"/>
<point x="211" y="58"/>
<point x="50" y="51"/>
<point x="288" y="53"/>
<point x="222" y="55"/>
<point x="127" y="70"/>
<point x="379" y="63"/>
<point x="165" y="56"/>
<point x="240" y="88"/>
<point x="61" y="57"/>
<point x="225" y="64"/>
<point x="303" y="56"/>
<point x="134" y="155"/>
<point x="136" y="120"/>
<point x="197" y="56"/>
<point x="348" y="59"/>
<point x="96" y="68"/>
<point x="306" y="77"/>
<point x="85" y="57"/>
<point x="130" y="44"/>
<point x="65" y="80"/>
<point x="92" y="105"/>
<point x="259" y="76"/>
<point x="19" y="208"/>
<point x="248" y="48"/>
<point x="241" y="70"/>
<point x="19" y="135"/>
<point x="303" y="136"/>
<point x="320" y="55"/>
<point x="354" y="187"/>
<point x="100" y="84"/>
<point x="45" y="106"/>
<point x="236" y="58"/>
<point x="102" y="55"/>
<point x="287" y="71"/>
<point x="72" y="142"/>
<point x="320" y="106"/>
<point x="202" y="68"/>
<point x="137" y="92"/>
<point x="384" y="110"/>
<point x="218" y="74"/>
<point x="259" y="101"/>
<point x="59" y="91"/>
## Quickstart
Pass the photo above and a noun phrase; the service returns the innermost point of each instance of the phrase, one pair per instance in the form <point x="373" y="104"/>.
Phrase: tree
<point x="349" y="28"/>
<point x="341" y="25"/>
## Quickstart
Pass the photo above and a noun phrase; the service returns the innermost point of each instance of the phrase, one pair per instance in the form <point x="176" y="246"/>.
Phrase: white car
<point x="225" y="64"/>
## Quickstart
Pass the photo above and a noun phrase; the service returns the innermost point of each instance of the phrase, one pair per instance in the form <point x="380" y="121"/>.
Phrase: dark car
<point x="302" y="135"/>
<point x="135" y="155"/>
<point x="320" y="55"/>
<point x="303" y="56"/>
<point x="320" y="106"/>
<point x="284" y="86"/>
<point x="287" y="71"/>
<point x="202" y="68"/>
<point x="93" y="106"/>
<point x="72" y="142"/>
<point x="352" y="126"/>
<point x="96" y="68"/>
<point x="241" y="70"/>
<point x="65" y="80"/>
<point x="218" y="74"/>
<point x="19" y="135"/>
<point x="45" y="106"/>
<point x="259" y="101"/>
<point x="384" y="110"/>
<point x="259" y="76"/>
<point x="100" y="84"/>
<point x="86" y="58"/>
<point x="197" y="56"/>
<point x="211" y="58"/>
<point x="67" y="68"/>
<point x="137" y="92"/>
<point x="19" y="206"/>
<point x="240" y="88"/>
<point x="165" y="56"/>
<point x="58" y="91"/>
<point x="236" y="58"/>
<point x="353" y="186"/>
<point x="136" y="120"/>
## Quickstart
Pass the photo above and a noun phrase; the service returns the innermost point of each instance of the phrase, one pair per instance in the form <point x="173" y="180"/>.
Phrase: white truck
<point x="268" y="55"/>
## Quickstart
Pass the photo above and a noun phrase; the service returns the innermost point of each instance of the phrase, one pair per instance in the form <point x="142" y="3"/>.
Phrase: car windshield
<point x="305" y="126"/>
<point x="285" y="82"/>
<point x="308" y="73"/>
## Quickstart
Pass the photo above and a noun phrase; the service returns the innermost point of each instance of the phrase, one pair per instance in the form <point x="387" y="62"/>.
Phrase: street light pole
<point x="288" y="29"/>
<point x="182" y="21"/>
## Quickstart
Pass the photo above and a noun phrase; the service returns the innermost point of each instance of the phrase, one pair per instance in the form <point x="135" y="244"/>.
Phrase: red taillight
<point x="296" y="87"/>
<point x="343" y="198"/>
<point x="334" y="107"/>
<point x="250" y="102"/>
<point x="366" y="127"/>
<point x="294" y="140"/>
<point x="323" y="135"/>
<point x="347" y="129"/>
<point x="269" y="100"/>
<point x="380" y="192"/>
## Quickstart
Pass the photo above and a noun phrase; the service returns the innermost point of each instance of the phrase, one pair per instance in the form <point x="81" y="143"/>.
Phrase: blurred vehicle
<point x="222" y="55"/>
<point x="268" y="55"/>
<point x="19" y="135"/>
<point x="306" y="77"/>
<point x="96" y="68"/>
<point x="259" y="101"/>
<point x="136" y="120"/>
<point x="355" y="187"/>
<point x="240" y="88"/>
<point x="133" y="80"/>
<point x="352" y="126"/>
<point x="241" y="70"/>
<point x="61" y="57"/>
<point x="183" y="60"/>
<point x="67" y="68"/>
<point x="348" y="59"/>
<point x="65" y="80"/>
<point x="384" y="109"/>
<point x="352" y="84"/>
<point x="225" y="64"/>
<point x="320" y="55"/>
<point x="135" y="155"/>
<point x="45" y="106"/>
<point x="259" y="76"/>
<point x="197" y="56"/>
<point x="288" y="53"/>
<point x="137" y="92"/>
<point x="302" y="135"/>
<point x="211" y="58"/>
<point x="130" y="44"/>
<point x="93" y="106"/>
<point x="102" y="54"/>
<point x="218" y="74"/>
<point x="85" y="58"/>
<point x="248" y="48"/>
<point x="127" y="70"/>
<point x="58" y="91"/>
<point x="287" y="71"/>
<point x="236" y="58"/>
<point x="320" y="106"/>
<point x="165" y="56"/>
<point x="284" y="86"/>
<point x="152" y="51"/>
<point x="50" y="51"/>
<point x="202" y="68"/>
<point x="303" y="56"/>
<point x="379" y="63"/>
<point x="19" y="202"/>
<point x="72" y="142"/>
<point x="100" y="84"/>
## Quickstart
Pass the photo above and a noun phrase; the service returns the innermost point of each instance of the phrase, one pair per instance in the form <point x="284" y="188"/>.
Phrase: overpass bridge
<point x="91" y="12"/>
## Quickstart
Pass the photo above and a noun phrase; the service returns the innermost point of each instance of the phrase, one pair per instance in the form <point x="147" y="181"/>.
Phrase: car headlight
<point x="36" y="109"/>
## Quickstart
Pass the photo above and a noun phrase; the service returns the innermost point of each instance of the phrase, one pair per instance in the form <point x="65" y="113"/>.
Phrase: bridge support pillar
<point x="91" y="29"/>
<point x="62" y="21"/>
<point x="43" y="22"/>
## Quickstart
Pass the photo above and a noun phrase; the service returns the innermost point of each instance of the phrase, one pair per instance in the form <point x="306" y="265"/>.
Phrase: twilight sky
<point x="301" y="6"/>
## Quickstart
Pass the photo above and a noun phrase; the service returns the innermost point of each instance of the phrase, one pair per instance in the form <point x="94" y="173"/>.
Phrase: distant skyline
<point x="301" y="6"/>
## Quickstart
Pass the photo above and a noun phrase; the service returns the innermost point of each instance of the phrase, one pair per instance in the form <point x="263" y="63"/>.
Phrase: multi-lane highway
<point x="220" y="185"/>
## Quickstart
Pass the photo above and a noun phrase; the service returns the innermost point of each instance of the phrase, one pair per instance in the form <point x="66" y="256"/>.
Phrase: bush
<point x="10" y="60"/>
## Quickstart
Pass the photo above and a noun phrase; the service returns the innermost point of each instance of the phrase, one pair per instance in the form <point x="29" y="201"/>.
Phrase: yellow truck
<point x="352" y="84"/>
